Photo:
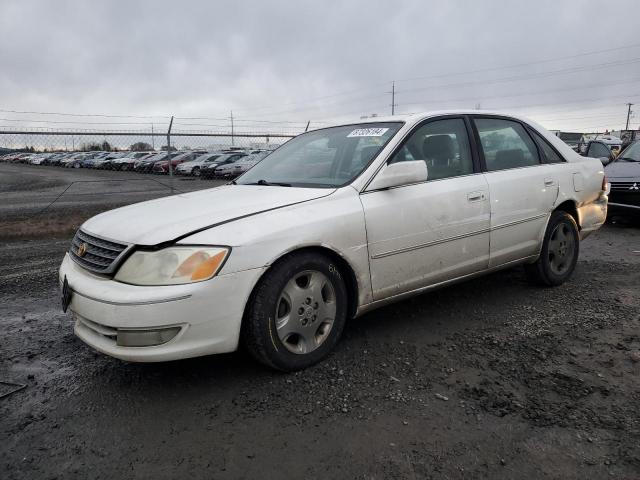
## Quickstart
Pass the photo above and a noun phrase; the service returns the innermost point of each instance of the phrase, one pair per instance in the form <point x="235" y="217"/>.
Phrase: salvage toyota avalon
<point x="332" y="224"/>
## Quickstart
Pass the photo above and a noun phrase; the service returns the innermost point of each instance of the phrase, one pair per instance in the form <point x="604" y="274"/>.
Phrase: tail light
<point x="605" y="184"/>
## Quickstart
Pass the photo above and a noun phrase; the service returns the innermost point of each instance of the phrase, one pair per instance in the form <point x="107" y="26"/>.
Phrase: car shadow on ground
<point x="430" y="316"/>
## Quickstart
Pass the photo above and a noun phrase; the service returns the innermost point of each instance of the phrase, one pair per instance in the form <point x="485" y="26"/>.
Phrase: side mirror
<point x="606" y="160"/>
<point x="400" y="173"/>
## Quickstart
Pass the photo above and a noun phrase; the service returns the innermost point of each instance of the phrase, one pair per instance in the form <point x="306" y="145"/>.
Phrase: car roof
<point x="413" y="118"/>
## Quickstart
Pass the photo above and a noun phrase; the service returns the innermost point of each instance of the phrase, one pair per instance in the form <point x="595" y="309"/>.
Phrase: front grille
<point x="625" y="187"/>
<point x="100" y="255"/>
<point x="625" y="193"/>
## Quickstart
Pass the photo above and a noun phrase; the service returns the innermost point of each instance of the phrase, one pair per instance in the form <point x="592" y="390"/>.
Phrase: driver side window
<point x="443" y="145"/>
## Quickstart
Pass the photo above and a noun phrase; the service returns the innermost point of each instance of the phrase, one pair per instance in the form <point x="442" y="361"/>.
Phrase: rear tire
<point x="296" y="313"/>
<point x="559" y="254"/>
<point x="195" y="172"/>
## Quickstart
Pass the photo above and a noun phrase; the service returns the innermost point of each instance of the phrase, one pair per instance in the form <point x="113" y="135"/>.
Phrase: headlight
<point x="172" y="266"/>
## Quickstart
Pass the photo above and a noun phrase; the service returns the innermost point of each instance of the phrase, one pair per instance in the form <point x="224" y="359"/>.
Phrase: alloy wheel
<point x="561" y="249"/>
<point x="305" y="311"/>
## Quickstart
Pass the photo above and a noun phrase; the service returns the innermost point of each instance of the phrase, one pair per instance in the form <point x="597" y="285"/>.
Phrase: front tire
<point x="296" y="312"/>
<point x="559" y="254"/>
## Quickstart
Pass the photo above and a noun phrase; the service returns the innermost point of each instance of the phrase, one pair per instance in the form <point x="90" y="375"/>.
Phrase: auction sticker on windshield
<point x="368" y="132"/>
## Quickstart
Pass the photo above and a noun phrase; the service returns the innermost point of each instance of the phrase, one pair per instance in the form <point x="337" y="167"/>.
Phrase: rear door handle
<point x="475" y="196"/>
<point x="548" y="182"/>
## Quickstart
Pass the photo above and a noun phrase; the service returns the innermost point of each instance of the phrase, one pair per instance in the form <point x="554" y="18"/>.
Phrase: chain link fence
<point x="53" y="180"/>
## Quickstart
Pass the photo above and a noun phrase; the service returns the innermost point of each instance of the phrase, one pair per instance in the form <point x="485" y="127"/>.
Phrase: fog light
<point x="145" y="338"/>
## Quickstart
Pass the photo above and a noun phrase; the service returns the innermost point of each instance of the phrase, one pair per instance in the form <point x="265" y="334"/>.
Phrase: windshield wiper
<point x="627" y="159"/>
<point x="269" y="184"/>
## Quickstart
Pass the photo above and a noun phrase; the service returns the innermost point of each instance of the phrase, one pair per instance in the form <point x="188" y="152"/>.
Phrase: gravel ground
<point x="493" y="378"/>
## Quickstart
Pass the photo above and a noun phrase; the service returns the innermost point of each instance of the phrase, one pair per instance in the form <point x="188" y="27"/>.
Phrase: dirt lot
<point x="493" y="378"/>
<point x="40" y="201"/>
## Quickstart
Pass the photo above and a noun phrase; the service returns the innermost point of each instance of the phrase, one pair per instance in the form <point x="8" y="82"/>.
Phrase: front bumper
<point x="209" y="314"/>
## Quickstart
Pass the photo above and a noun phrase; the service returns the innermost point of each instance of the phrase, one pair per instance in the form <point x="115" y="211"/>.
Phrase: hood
<point x="620" y="169"/>
<point x="168" y="218"/>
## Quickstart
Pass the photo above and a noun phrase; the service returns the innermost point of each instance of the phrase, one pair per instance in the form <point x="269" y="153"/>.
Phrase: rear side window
<point x="550" y="155"/>
<point x="506" y="144"/>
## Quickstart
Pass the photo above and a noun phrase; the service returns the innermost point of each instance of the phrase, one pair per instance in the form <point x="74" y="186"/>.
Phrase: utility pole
<point x="232" y="137"/>
<point x="169" y="155"/>
<point x="153" y="142"/>
<point x="628" y="114"/>
<point x="393" y="98"/>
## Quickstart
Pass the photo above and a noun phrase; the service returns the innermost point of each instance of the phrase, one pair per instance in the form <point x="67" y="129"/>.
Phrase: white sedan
<point x="334" y="223"/>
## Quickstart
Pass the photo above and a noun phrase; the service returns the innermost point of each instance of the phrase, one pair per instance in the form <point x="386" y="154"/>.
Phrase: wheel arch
<point x="567" y="206"/>
<point x="570" y="207"/>
<point x="344" y="267"/>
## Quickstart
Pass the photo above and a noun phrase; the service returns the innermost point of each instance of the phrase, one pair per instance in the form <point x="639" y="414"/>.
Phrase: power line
<point x="313" y="100"/>
<point x="243" y="120"/>
<point x="530" y="76"/>
<point x="574" y="69"/>
<point x="30" y="120"/>
<point x="520" y="107"/>
<point x="583" y="54"/>
<point x="165" y="117"/>
<point x="611" y="115"/>
<point x="476" y="98"/>
<point x="525" y="64"/>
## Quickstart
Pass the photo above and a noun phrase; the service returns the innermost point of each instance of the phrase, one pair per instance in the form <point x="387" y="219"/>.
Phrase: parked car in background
<point x="145" y="164"/>
<point x="75" y="161"/>
<point x="54" y="159"/>
<point x="336" y="222"/>
<point x="209" y="170"/>
<point x="177" y="158"/>
<point x="104" y="160"/>
<point x="572" y="139"/>
<point x="599" y="150"/>
<point x="59" y="161"/>
<point x="624" y="176"/>
<point x="22" y="157"/>
<point x="239" y="167"/>
<point x="126" y="162"/>
<point x="193" y="167"/>
<point x="38" y="158"/>
<point x="91" y="159"/>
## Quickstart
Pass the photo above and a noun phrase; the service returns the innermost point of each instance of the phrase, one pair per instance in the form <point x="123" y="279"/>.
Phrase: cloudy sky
<point x="571" y="65"/>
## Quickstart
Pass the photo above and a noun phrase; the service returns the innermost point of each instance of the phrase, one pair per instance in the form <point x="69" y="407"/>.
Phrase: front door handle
<point x="548" y="182"/>
<point x="475" y="196"/>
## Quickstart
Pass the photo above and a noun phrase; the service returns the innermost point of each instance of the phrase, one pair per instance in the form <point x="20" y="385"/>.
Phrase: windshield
<point x="207" y="158"/>
<point x="631" y="153"/>
<point x="330" y="157"/>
